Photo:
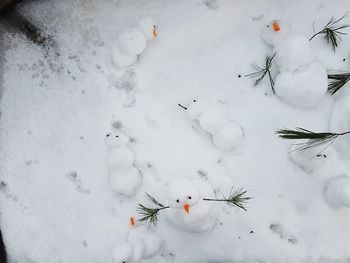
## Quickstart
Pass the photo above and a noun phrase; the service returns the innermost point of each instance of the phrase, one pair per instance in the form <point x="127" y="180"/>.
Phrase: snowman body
<point x="132" y="42"/>
<point x="225" y="134"/>
<point x="339" y="122"/>
<point x="337" y="192"/>
<point x="141" y="244"/>
<point x="124" y="177"/>
<point x="302" y="80"/>
<point x="188" y="211"/>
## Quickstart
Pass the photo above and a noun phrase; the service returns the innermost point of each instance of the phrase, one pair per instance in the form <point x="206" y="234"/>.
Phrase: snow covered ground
<point x="57" y="106"/>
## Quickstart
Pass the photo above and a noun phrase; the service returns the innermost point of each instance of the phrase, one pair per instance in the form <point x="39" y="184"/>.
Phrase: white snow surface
<point x="56" y="201"/>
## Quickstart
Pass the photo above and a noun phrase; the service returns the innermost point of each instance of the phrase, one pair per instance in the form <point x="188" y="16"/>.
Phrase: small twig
<point x="262" y="72"/>
<point x="182" y="106"/>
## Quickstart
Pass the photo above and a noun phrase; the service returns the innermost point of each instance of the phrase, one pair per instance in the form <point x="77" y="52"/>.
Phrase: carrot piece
<point x="276" y="26"/>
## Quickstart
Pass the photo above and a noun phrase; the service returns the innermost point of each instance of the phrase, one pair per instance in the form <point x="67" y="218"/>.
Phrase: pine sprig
<point x="337" y="81"/>
<point x="332" y="31"/>
<point x="262" y="72"/>
<point x="313" y="138"/>
<point x="237" y="199"/>
<point x="149" y="214"/>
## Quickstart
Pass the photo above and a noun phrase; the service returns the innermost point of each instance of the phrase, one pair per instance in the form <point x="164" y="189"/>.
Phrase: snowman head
<point x="275" y="31"/>
<point x="196" y="108"/>
<point x="122" y="253"/>
<point x="182" y="195"/>
<point x="116" y="139"/>
<point x="148" y="28"/>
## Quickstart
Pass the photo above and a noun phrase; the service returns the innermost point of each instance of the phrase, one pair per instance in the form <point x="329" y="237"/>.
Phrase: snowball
<point x="276" y="31"/>
<point x="132" y="41"/>
<point x="151" y="242"/>
<point x="120" y="158"/>
<point x="229" y="137"/>
<point x="121" y="60"/>
<point x="304" y="87"/>
<point x="293" y="52"/>
<point x="212" y="120"/>
<point x="116" y="139"/>
<point x="147" y="27"/>
<point x="196" y="108"/>
<point x="340" y="122"/>
<point x="122" y="252"/>
<point x="337" y="192"/>
<point x="309" y="159"/>
<point x="202" y="215"/>
<point x="126" y="182"/>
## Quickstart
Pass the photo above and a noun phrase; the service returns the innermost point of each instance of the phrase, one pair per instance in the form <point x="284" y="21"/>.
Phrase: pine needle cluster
<point x="337" y="81"/>
<point x="332" y="31"/>
<point x="262" y="72"/>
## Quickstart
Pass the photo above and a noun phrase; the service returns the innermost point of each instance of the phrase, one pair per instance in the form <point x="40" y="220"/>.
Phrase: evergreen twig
<point x="313" y="138"/>
<point x="337" y="81"/>
<point x="262" y="72"/>
<point x="150" y="215"/>
<point x="332" y="31"/>
<point x="237" y="198"/>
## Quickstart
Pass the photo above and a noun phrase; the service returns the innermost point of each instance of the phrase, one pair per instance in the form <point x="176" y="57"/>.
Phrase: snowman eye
<point x="268" y="26"/>
<point x="190" y="197"/>
<point x="194" y="100"/>
<point x="108" y="135"/>
<point x="177" y="201"/>
<point x="117" y="136"/>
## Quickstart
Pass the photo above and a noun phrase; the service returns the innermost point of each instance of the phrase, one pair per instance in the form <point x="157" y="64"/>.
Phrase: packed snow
<point x="68" y="191"/>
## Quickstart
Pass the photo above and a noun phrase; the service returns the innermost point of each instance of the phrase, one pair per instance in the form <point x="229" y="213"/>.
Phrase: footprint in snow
<point x="76" y="181"/>
<point x="281" y="232"/>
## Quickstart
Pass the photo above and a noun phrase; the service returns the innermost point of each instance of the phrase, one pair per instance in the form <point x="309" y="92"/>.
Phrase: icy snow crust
<point x="57" y="204"/>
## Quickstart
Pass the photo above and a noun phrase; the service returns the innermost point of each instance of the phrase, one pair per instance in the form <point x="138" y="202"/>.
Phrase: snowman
<point x="301" y="80"/>
<point x="188" y="211"/>
<point x="124" y="177"/>
<point x="339" y="122"/>
<point x="132" y="42"/>
<point x="337" y="192"/>
<point x="309" y="159"/>
<point x="141" y="244"/>
<point x="226" y="134"/>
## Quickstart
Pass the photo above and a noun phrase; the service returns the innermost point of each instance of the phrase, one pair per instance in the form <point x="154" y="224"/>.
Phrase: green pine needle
<point x="237" y="198"/>
<point x="332" y="31"/>
<point x="149" y="214"/>
<point x="262" y="72"/>
<point x="337" y="81"/>
<point x="313" y="138"/>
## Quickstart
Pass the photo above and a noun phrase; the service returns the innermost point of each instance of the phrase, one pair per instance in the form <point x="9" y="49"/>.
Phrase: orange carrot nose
<point x="132" y="221"/>
<point x="187" y="208"/>
<point x="276" y="26"/>
<point x="154" y="32"/>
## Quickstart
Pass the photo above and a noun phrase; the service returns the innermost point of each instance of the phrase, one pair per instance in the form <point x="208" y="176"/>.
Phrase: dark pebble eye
<point x="190" y="197"/>
<point x="117" y="136"/>
<point x="194" y="100"/>
<point x="268" y="26"/>
<point x="178" y="201"/>
<point x="108" y="135"/>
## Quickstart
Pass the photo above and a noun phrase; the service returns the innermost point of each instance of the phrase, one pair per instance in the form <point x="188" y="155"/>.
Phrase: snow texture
<point x="58" y="104"/>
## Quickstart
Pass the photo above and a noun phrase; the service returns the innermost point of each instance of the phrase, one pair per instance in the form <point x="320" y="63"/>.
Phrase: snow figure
<point x="339" y="122"/>
<point x="124" y="177"/>
<point x="337" y="192"/>
<point x="276" y="31"/>
<point x="142" y="243"/>
<point x="188" y="211"/>
<point x="302" y="80"/>
<point x="226" y="134"/>
<point x="309" y="159"/>
<point x="132" y="42"/>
